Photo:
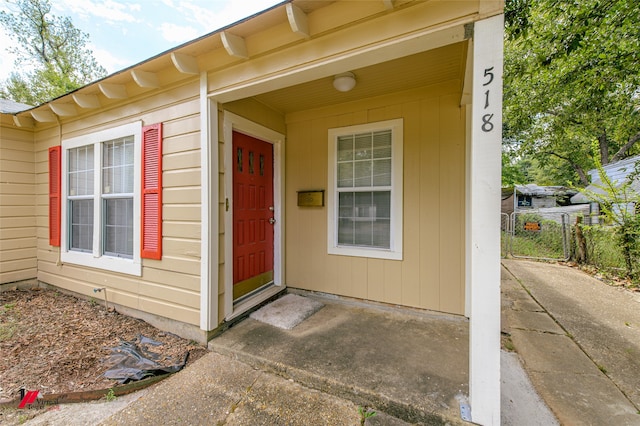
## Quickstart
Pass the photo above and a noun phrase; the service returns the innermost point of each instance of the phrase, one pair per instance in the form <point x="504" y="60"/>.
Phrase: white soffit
<point x="387" y="50"/>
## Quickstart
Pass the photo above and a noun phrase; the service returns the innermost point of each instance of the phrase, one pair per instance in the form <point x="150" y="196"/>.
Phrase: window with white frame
<point x="101" y="196"/>
<point x="365" y="190"/>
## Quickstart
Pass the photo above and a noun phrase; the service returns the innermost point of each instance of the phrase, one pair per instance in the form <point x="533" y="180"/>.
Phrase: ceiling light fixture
<point x="344" y="82"/>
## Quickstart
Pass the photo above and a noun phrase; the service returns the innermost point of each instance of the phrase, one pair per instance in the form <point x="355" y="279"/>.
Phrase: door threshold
<point x="251" y="300"/>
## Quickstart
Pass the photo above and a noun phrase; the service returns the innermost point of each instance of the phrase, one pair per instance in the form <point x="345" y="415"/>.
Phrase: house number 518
<point x="487" y="125"/>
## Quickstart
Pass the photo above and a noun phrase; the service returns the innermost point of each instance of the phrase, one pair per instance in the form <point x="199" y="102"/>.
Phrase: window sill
<point x="113" y="264"/>
<point x="366" y="252"/>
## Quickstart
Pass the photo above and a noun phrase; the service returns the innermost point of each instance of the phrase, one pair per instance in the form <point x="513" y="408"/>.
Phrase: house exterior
<point x="619" y="173"/>
<point x="533" y="197"/>
<point x="350" y="148"/>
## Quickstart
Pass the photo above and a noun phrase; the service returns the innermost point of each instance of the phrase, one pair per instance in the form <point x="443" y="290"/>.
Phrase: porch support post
<point x="483" y="221"/>
<point x="209" y="177"/>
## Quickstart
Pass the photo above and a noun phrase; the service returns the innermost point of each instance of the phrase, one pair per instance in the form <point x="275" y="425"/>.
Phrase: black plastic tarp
<point x="134" y="360"/>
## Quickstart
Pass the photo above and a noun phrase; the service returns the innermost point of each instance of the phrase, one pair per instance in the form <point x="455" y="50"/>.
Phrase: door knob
<point x="272" y="220"/>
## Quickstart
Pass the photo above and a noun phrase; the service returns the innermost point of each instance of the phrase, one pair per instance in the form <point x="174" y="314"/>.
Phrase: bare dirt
<point x="56" y="343"/>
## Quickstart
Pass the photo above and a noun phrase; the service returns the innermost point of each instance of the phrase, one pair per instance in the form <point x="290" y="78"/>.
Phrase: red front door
<point x="253" y="218"/>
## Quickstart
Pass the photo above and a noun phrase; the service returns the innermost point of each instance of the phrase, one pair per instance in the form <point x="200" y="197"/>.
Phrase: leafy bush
<point x="615" y="198"/>
<point x="604" y="250"/>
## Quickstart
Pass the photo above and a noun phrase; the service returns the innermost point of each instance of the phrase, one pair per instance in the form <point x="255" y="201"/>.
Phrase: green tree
<point x="572" y="75"/>
<point x="515" y="171"/>
<point x="52" y="54"/>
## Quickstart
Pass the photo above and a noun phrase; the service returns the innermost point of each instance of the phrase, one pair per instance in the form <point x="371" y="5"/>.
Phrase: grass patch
<point x="508" y="345"/>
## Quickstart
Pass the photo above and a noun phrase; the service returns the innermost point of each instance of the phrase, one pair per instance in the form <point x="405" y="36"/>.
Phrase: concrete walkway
<point x="579" y="340"/>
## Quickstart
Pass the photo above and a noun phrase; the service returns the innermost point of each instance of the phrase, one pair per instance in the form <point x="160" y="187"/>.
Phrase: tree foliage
<point x="515" y="171"/>
<point x="52" y="54"/>
<point x="572" y="76"/>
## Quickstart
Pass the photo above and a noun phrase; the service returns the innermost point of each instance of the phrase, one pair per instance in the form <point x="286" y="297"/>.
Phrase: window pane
<point x="362" y="173"/>
<point x="382" y="144"/>
<point x="345" y="232"/>
<point x="346" y="205"/>
<point x="345" y="148"/>
<point x="81" y="225"/>
<point x="363" y="206"/>
<point x="382" y="172"/>
<point x="355" y="154"/>
<point x="81" y="170"/>
<point x="382" y="203"/>
<point x="381" y="233"/>
<point x="362" y="233"/>
<point x="107" y="181"/>
<point x="118" y="227"/>
<point x="73" y="159"/>
<point x="345" y="175"/>
<point x="117" y="169"/>
<point x="362" y="148"/>
<point x="364" y="219"/>
<point x="346" y="210"/>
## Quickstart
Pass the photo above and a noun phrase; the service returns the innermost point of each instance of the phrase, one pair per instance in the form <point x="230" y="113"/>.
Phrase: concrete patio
<point x="410" y="364"/>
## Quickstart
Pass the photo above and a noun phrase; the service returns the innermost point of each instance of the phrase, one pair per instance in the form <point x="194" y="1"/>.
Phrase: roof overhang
<point x="298" y="44"/>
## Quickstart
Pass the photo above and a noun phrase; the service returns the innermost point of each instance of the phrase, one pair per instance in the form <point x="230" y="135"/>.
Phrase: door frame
<point x="233" y="122"/>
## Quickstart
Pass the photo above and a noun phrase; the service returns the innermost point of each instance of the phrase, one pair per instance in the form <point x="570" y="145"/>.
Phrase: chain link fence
<point x="534" y="234"/>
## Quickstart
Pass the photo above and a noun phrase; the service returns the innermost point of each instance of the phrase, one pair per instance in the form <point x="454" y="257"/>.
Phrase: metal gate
<point x="505" y="234"/>
<point x="532" y="234"/>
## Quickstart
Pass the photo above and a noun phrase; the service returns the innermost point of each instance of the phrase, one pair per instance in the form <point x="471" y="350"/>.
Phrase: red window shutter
<point x="55" y="195"/>
<point x="151" y="226"/>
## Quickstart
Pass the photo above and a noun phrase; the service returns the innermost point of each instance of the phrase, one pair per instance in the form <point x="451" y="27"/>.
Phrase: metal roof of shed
<point x="618" y="172"/>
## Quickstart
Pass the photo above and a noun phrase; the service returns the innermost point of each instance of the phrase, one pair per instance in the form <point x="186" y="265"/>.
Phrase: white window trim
<point x="97" y="259"/>
<point x="395" y="250"/>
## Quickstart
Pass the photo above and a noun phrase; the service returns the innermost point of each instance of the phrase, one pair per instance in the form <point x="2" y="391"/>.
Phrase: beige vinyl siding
<point x="169" y="287"/>
<point x="431" y="274"/>
<point x="17" y="205"/>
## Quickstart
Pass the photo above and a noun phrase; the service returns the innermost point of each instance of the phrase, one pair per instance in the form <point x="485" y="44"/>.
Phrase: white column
<point x="209" y="177"/>
<point x="483" y="222"/>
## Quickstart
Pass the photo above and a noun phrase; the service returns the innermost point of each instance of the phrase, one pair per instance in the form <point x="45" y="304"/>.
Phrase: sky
<point x="125" y="32"/>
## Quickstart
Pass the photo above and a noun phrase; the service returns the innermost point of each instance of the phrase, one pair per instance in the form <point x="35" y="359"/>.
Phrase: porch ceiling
<point x="422" y="69"/>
